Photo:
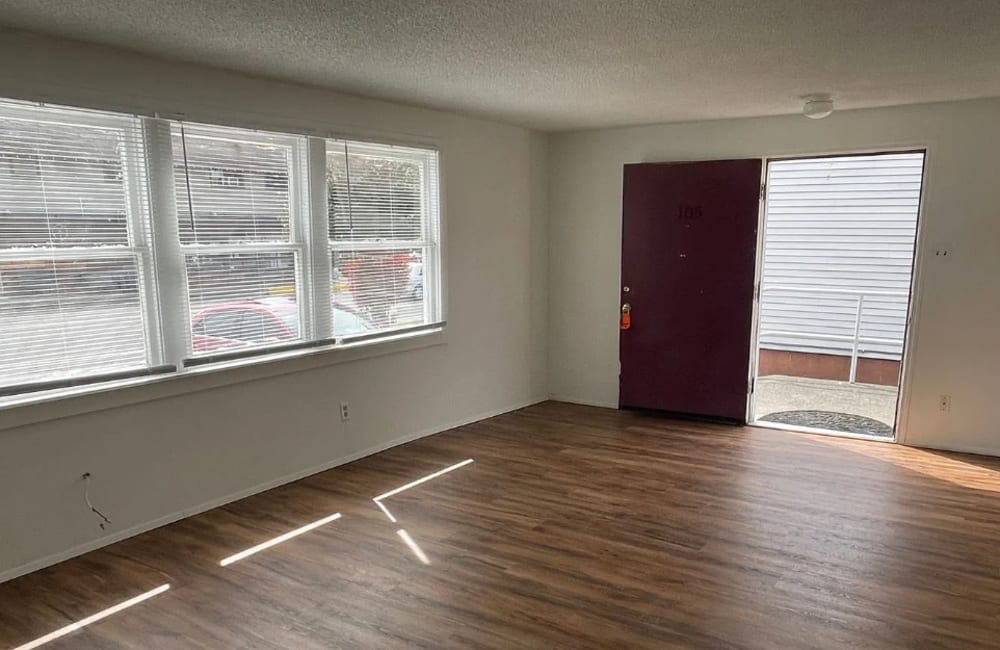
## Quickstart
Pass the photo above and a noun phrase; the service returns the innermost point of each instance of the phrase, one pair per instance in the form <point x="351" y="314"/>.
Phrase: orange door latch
<point x="626" y="316"/>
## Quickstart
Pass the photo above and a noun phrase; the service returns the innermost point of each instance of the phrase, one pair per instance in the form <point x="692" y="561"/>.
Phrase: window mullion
<point x="140" y="239"/>
<point x="171" y="275"/>
<point x="318" y="258"/>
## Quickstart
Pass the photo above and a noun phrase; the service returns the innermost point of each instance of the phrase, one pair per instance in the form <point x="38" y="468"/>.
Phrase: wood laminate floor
<point x="574" y="527"/>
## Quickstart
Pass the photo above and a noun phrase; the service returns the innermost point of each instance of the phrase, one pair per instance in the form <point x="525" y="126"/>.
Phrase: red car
<point x="260" y="322"/>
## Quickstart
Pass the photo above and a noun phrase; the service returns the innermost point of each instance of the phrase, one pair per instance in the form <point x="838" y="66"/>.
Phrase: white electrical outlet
<point x="345" y="412"/>
<point x="944" y="403"/>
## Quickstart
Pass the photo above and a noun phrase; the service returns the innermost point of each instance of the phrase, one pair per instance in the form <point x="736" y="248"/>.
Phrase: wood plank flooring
<point x="575" y="527"/>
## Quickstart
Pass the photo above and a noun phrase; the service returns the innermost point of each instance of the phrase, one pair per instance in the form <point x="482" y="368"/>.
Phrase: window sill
<point x="63" y="403"/>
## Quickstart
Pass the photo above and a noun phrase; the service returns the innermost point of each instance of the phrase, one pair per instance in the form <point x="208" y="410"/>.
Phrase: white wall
<point x="956" y="333"/>
<point x="532" y="227"/>
<point x="157" y="452"/>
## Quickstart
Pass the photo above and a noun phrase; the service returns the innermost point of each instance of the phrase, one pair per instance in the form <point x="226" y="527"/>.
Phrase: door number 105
<point x="688" y="211"/>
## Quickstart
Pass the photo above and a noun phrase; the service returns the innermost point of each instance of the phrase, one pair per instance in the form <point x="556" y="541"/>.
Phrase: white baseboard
<point x="584" y="401"/>
<point x="138" y="529"/>
<point x="958" y="449"/>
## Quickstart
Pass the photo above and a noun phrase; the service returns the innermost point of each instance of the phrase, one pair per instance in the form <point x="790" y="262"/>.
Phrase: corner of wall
<point x="539" y="275"/>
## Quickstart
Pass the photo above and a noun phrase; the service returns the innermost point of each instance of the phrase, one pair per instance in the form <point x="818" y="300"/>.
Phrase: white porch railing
<point x="856" y="339"/>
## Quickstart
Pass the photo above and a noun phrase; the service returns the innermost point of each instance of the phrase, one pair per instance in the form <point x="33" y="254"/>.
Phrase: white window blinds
<point x="74" y="251"/>
<point x="384" y="232"/>
<point x="238" y="203"/>
<point x="131" y="245"/>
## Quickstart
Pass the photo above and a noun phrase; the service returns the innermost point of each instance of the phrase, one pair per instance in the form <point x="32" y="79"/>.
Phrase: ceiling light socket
<point x="817" y="106"/>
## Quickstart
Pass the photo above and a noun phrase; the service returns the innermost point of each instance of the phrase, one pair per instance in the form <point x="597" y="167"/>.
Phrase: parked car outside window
<point x="259" y="322"/>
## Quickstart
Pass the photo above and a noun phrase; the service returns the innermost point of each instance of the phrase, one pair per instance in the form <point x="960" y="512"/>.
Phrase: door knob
<point x="626" y="322"/>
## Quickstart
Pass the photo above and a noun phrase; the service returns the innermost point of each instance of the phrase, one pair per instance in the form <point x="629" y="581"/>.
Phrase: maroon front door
<point x="689" y="239"/>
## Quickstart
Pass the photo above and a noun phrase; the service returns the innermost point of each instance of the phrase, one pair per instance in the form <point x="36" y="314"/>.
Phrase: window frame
<point x="298" y="223"/>
<point x="430" y="226"/>
<point x="152" y="219"/>
<point x="138" y="229"/>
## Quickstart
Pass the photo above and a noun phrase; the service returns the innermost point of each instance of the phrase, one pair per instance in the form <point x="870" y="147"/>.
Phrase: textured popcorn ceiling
<point x="565" y="64"/>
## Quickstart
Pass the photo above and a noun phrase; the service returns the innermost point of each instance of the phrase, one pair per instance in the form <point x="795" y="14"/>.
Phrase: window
<point x="131" y="245"/>
<point x="74" y="251"/>
<point x="383" y="232"/>
<point x="240" y="240"/>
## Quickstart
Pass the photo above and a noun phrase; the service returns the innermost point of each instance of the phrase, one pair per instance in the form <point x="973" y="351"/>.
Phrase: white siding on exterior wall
<point x="837" y="228"/>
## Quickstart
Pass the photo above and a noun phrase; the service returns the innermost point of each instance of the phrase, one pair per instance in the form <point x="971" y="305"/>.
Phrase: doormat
<point x="831" y="421"/>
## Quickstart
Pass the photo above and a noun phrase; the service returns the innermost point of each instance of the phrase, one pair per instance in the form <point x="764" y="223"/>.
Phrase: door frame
<point x="909" y="334"/>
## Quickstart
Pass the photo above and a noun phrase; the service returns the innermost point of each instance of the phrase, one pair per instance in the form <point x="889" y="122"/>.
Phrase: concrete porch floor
<point x="777" y="393"/>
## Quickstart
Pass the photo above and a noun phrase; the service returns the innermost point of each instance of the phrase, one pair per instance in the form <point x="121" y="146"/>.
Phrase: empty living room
<point x="499" y="324"/>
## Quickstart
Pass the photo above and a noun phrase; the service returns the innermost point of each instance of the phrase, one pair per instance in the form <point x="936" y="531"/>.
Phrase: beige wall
<point x="160" y="451"/>
<point x="955" y="346"/>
